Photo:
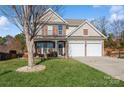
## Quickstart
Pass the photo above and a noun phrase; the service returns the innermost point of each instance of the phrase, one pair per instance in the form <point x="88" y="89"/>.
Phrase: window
<point x="50" y="45"/>
<point x="60" y="29"/>
<point x="39" y="45"/>
<point x="60" y="45"/>
<point x="85" y="31"/>
<point x="44" y="45"/>
<point x="50" y="30"/>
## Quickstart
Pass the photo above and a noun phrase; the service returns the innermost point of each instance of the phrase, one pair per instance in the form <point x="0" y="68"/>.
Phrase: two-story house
<point x="69" y="37"/>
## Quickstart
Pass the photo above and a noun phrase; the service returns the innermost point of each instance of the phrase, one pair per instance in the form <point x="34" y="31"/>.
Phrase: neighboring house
<point x="69" y="37"/>
<point x="3" y="49"/>
<point x="9" y="45"/>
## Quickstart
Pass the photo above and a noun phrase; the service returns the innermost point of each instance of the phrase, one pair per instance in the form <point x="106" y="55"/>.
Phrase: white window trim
<point x="50" y="29"/>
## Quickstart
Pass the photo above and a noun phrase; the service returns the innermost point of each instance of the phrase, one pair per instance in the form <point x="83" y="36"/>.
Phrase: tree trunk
<point x="30" y="48"/>
<point x="66" y="50"/>
<point x="45" y="53"/>
<point x="30" y="54"/>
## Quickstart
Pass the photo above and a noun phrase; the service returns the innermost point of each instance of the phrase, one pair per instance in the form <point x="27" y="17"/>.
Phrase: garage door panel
<point x="94" y="49"/>
<point x="76" y="50"/>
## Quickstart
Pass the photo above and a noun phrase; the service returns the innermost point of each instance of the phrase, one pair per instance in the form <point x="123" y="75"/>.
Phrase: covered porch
<point x="53" y="48"/>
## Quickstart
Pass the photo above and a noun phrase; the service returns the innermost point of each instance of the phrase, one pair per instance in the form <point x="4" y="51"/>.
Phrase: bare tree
<point x="101" y="24"/>
<point x="30" y="20"/>
<point x="117" y="26"/>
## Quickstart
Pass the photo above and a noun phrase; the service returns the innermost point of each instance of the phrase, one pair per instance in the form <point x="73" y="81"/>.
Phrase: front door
<point x="61" y="48"/>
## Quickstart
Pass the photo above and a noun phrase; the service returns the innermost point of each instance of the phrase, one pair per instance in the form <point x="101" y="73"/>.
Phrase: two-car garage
<point x="85" y="48"/>
<point x="85" y="40"/>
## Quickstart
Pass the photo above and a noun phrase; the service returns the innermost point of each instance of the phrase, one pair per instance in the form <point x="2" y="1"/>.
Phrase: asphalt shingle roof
<point x="74" y="22"/>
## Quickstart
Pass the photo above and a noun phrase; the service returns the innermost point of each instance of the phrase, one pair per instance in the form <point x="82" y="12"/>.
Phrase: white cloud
<point x="116" y="13"/>
<point x="116" y="9"/>
<point x="3" y="21"/>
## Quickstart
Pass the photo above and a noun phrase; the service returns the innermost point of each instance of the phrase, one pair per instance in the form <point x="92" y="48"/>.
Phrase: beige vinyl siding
<point x="70" y="29"/>
<point x="52" y="17"/>
<point x="91" y="31"/>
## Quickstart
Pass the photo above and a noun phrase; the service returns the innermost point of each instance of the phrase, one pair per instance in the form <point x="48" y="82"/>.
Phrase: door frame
<point x="63" y="46"/>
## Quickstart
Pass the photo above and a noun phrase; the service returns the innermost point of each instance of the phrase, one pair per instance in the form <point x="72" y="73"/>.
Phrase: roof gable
<point x="53" y="17"/>
<point x="86" y="25"/>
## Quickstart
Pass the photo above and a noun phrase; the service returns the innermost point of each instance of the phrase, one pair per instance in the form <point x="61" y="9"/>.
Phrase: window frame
<point x="60" y="29"/>
<point x="50" y="31"/>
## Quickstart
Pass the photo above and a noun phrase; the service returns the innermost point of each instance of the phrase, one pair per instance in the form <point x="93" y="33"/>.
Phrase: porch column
<point x="56" y="46"/>
<point x="66" y="49"/>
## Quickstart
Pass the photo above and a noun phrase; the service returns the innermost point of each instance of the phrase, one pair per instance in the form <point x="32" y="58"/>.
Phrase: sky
<point x="88" y="12"/>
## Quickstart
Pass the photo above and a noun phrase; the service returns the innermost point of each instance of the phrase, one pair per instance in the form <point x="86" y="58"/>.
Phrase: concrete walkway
<point x="111" y="66"/>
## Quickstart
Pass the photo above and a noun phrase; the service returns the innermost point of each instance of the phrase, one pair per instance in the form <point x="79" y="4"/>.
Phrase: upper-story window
<point x="60" y="29"/>
<point x="50" y="29"/>
<point x="85" y="31"/>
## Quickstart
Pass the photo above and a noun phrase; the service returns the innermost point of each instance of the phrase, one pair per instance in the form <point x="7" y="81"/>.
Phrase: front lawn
<point x="59" y="72"/>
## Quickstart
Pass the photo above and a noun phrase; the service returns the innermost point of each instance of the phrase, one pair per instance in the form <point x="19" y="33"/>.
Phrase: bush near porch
<point x="59" y="73"/>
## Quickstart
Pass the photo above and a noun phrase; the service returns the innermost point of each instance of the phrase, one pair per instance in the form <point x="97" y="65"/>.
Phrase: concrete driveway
<point x="111" y="66"/>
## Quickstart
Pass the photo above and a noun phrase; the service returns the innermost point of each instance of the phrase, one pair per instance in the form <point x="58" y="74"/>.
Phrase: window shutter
<point x="43" y="31"/>
<point x="54" y="30"/>
<point x="46" y="30"/>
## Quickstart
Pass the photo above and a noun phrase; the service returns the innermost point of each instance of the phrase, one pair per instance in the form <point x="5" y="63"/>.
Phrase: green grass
<point x="59" y="72"/>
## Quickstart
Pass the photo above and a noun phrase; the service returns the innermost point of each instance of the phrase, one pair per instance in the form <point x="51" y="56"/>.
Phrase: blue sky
<point x="85" y="12"/>
<point x="71" y="12"/>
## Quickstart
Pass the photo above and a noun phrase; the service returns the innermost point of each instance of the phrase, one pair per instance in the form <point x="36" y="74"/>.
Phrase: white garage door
<point x="76" y="50"/>
<point x="94" y="49"/>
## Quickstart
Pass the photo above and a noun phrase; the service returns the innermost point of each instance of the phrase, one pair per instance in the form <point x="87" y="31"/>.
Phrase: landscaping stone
<point x="35" y="68"/>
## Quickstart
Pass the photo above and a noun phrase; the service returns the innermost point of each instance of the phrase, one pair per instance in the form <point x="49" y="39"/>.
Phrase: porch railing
<point x="60" y="51"/>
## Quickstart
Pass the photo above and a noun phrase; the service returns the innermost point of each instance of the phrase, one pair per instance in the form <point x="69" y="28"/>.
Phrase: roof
<point x="74" y="22"/>
<point x="70" y="22"/>
<point x="47" y="38"/>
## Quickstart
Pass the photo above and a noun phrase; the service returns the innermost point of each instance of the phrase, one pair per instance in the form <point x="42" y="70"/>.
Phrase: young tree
<point x="2" y="40"/>
<point x="30" y="19"/>
<point x="20" y="38"/>
<point x="110" y="43"/>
